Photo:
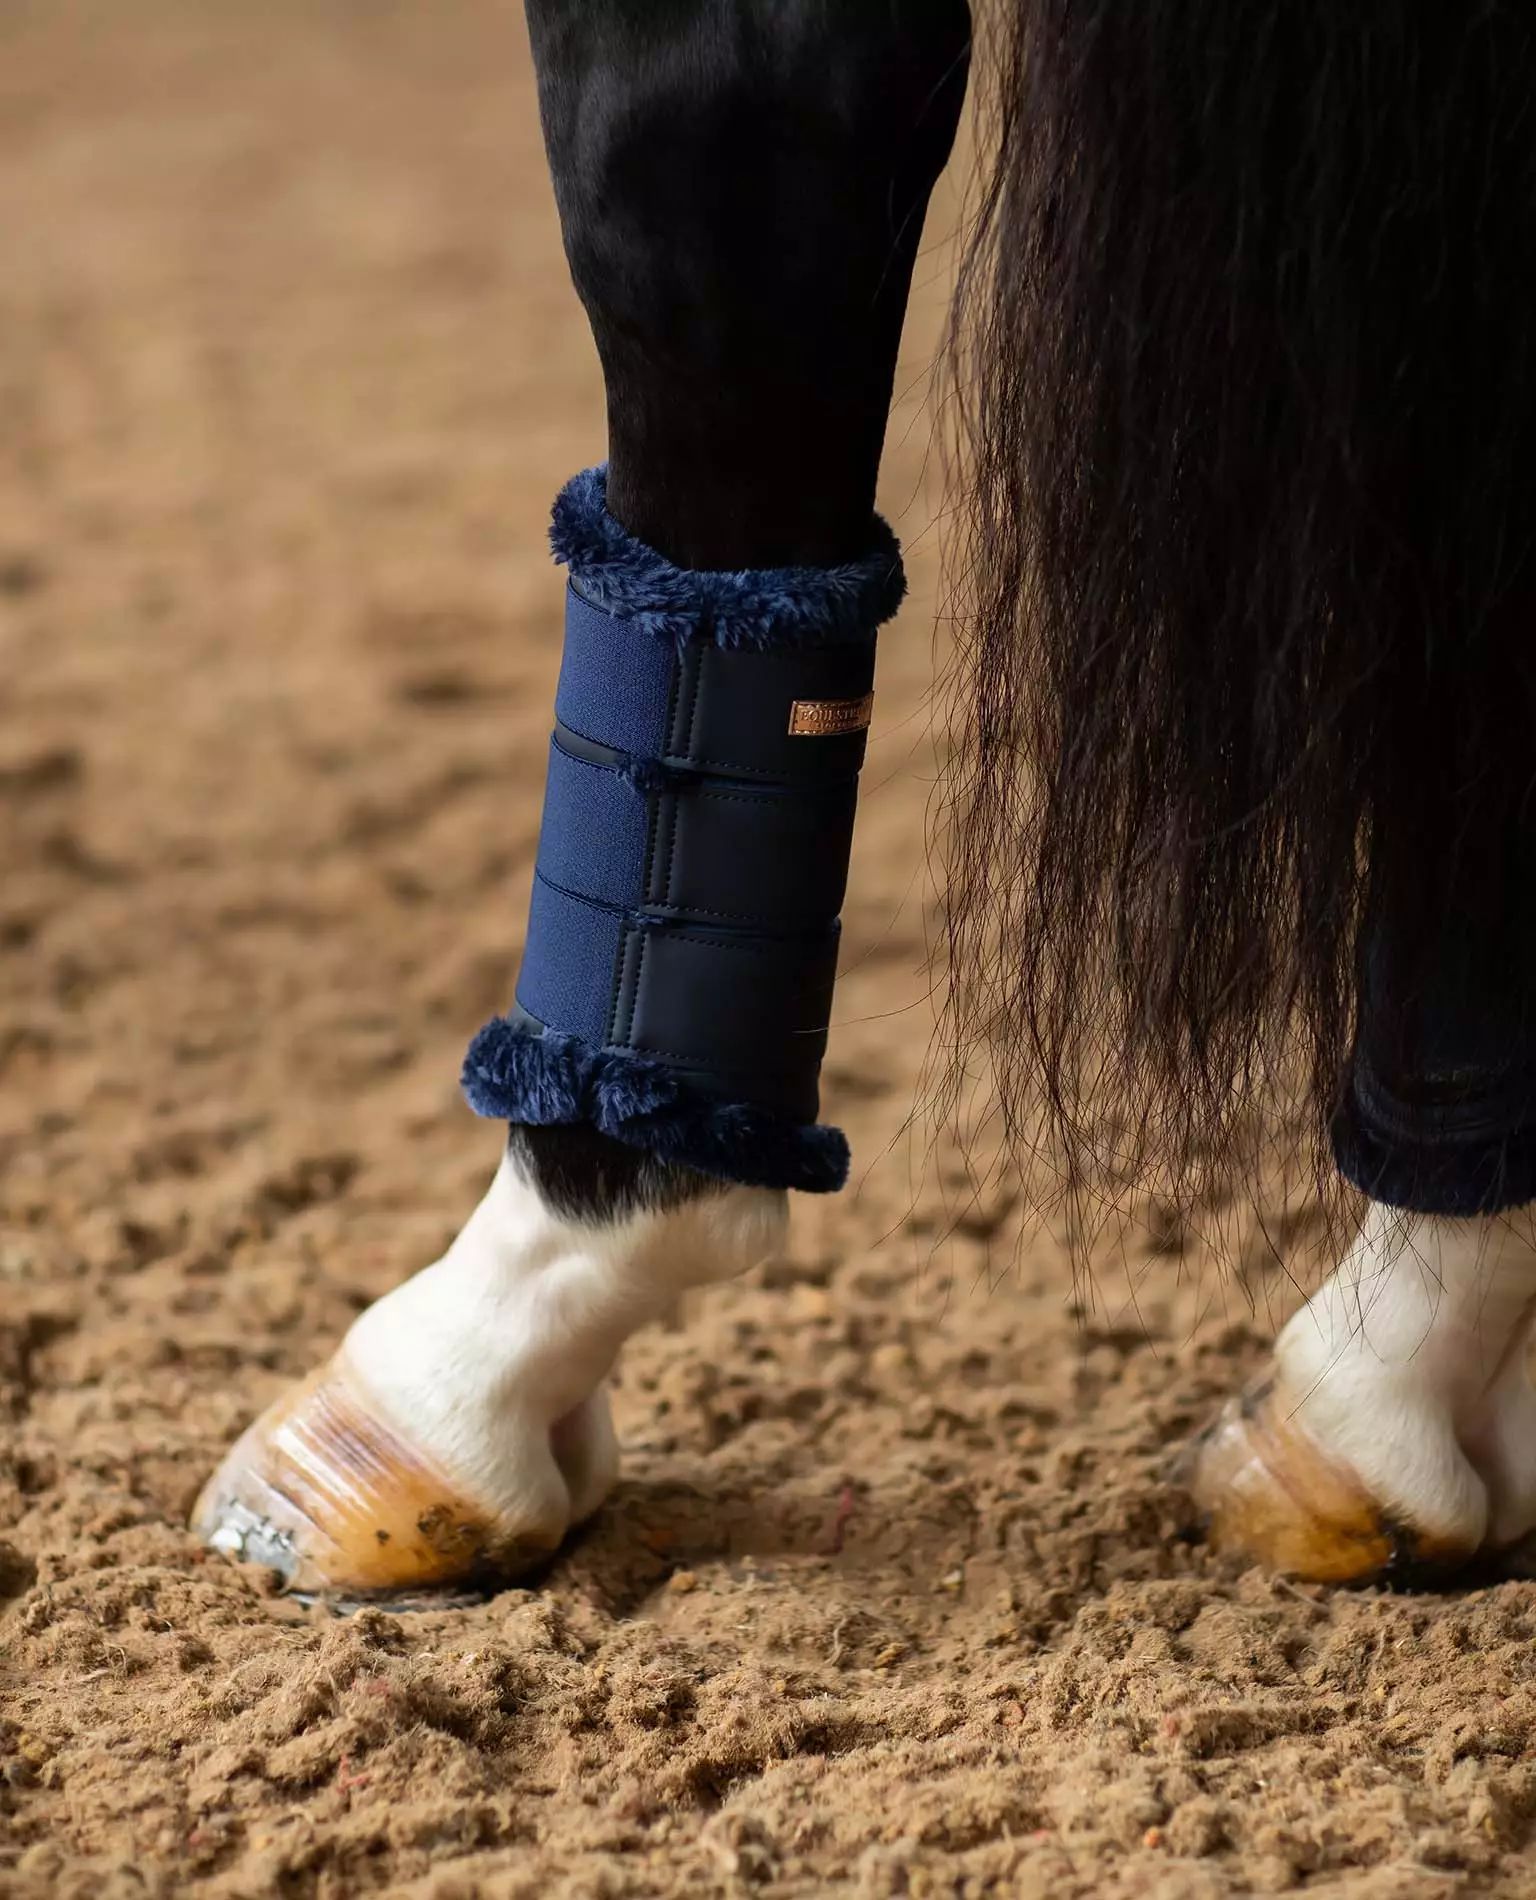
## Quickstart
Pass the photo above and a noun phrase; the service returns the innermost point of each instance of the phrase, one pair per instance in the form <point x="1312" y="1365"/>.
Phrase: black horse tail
<point x="1243" y="583"/>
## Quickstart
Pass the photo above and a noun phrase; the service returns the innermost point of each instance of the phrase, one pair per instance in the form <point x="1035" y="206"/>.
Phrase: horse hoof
<point x="325" y="1490"/>
<point x="1270" y="1492"/>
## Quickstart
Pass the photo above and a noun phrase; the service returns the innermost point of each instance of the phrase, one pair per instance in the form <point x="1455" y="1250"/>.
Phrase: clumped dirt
<point x="897" y="1597"/>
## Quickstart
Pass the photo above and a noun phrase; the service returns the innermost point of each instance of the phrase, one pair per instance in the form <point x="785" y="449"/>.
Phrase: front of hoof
<point x="462" y="1427"/>
<point x="1269" y="1492"/>
<point x="326" y="1491"/>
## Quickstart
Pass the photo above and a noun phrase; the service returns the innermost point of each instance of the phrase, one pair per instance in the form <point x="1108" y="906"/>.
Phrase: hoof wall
<point x="323" y="1491"/>
<point x="1269" y="1492"/>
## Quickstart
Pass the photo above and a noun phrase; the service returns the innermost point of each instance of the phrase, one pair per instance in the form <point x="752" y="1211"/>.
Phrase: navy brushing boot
<point x="698" y="817"/>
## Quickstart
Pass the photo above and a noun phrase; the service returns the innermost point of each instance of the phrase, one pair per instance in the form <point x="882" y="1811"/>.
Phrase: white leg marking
<point x="1409" y="1367"/>
<point x="491" y="1360"/>
<point x="462" y="1421"/>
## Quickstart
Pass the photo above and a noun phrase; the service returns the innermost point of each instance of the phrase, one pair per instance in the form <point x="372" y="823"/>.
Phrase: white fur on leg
<point x="483" y="1355"/>
<point x="462" y="1421"/>
<point x="1408" y="1367"/>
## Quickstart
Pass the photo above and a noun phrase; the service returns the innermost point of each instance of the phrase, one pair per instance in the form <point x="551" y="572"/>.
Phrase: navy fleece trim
<point x="515" y="1074"/>
<point x="751" y="608"/>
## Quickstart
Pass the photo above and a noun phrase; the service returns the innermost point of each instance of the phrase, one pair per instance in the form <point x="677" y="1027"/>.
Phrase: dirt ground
<point x="895" y="1597"/>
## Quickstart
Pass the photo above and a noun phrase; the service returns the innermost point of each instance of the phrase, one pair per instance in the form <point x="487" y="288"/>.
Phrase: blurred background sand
<point x="895" y="1597"/>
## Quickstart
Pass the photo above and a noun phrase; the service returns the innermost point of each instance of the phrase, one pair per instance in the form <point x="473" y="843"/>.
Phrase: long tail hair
<point x="1243" y="589"/>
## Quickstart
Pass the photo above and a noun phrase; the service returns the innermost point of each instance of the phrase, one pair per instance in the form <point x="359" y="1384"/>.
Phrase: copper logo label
<point x="827" y="718"/>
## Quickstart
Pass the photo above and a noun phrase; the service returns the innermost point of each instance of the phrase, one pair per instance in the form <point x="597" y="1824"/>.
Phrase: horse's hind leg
<point x="741" y="188"/>
<point x="1397" y="1426"/>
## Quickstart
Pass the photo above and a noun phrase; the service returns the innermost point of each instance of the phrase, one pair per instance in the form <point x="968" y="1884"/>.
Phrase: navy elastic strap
<point x="614" y="689"/>
<point x="736" y="854"/>
<point x="707" y="709"/>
